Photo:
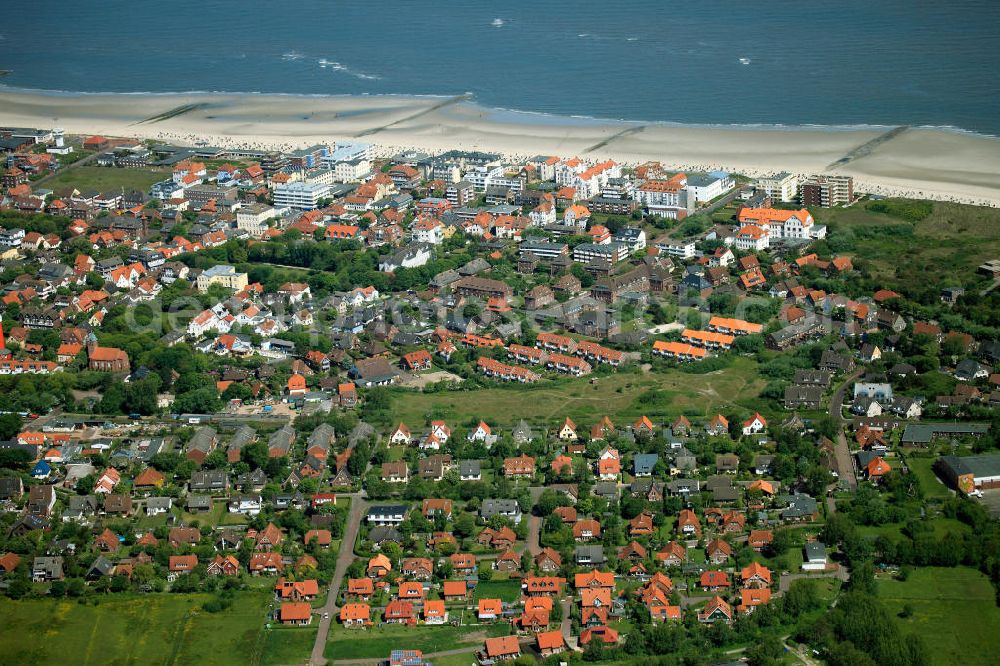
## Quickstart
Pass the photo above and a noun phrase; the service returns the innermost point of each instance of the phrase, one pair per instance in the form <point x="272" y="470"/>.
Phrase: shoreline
<point x="933" y="163"/>
<point x="495" y="110"/>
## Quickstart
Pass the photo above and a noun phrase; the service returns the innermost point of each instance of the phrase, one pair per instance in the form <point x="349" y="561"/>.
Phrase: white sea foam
<point x="340" y="67"/>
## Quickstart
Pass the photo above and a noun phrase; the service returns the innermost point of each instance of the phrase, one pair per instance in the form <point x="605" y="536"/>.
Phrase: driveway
<point x="785" y="582"/>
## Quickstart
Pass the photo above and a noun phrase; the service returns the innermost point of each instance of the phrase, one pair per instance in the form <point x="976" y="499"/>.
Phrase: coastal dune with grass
<point x="910" y="162"/>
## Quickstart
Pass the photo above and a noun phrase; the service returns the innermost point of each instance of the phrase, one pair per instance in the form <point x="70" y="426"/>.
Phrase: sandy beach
<point x="923" y="163"/>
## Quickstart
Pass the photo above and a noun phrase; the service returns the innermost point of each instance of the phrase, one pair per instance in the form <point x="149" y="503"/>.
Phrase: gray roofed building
<point x="921" y="434"/>
<point x="800" y="396"/>
<point x="199" y="503"/>
<point x="322" y="437"/>
<point x="445" y="278"/>
<point x="470" y="470"/>
<point x="971" y="472"/>
<point x="47" y="568"/>
<point x="244" y="435"/>
<point x="410" y="256"/>
<point x="683" y="487"/>
<point x="373" y="372"/>
<point x="727" y="462"/>
<point x="202" y="443"/>
<point x="387" y="514"/>
<point x="158" y="505"/>
<point x="798" y="507"/>
<point x="255" y="479"/>
<point x="643" y="464"/>
<point x="101" y="568"/>
<point x="606" y="489"/>
<point x="210" y="480"/>
<point x="11" y="487"/>
<point x="812" y="377"/>
<point x="360" y="431"/>
<point x="684" y="460"/>
<point x="280" y="442"/>
<point x="589" y="555"/>
<point x="722" y="488"/>
<point x="970" y="370"/>
<point x="836" y="362"/>
<point x="762" y="464"/>
<point x="382" y="534"/>
<point x="647" y="488"/>
<point x="814" y="556"/>
<point x="294" y="500"/>
<point x="507" y="508"/>
<point x="477" y="265"/>
<point x="523" y="433"/>
<point x="80" y="507"/>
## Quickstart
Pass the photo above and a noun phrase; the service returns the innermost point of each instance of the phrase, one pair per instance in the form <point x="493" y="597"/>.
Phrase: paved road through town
<point x="344" y="558"/>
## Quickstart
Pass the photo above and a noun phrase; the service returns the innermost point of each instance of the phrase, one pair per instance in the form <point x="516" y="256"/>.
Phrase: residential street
<point x="845" y="468"/>
<point x="567" y="624"/>
<point x="534" y="531"/>
<point x="327" y="613"/>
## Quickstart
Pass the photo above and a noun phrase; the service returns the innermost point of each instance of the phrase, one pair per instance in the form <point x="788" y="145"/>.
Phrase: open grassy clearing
<point x="105" y="179"/>
<point x="954" y="610"/>
<point x="288" y="645"/>
<point x="151" y="629"/>
<point x="624" y="396"/>
<point x="932" y="486"/>
<point x="379" y="641"/>
<point x="945" y="247"/>
<point x="507" y="590"/>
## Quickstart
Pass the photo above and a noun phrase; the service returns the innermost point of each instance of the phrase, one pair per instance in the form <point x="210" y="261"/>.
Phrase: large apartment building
<point x="828" y="191"/>
<point x="782" y="223"/>
<point x="252" y="218"/>
<point x="666" y="198"/>
<point x="781" y="187"/>
<point x="300" y="195"/>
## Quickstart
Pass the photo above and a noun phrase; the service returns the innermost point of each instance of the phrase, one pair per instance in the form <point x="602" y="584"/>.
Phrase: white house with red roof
<point x="752" y="238"/>
<point x="401" y="435"/>
<point x="482" y="433"/>
<point x="755" y="425"/>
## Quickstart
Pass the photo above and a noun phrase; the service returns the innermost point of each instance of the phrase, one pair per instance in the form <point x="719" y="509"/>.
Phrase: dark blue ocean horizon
<point x="787" y="63"/>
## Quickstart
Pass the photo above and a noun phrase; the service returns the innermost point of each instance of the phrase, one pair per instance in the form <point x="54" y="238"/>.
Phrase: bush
<point x="904" y="209"/>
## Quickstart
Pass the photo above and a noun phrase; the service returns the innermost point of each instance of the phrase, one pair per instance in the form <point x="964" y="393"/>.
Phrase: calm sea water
<point x="852" y="62"/>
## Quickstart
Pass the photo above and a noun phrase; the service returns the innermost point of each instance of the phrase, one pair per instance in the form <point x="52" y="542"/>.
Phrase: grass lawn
<point x="464" y="659"/>
<point x="954" y="610"/>
<point x="932" y="486"/>
<point x="155" y="628"/>
<point x="624" y="396"/>
<point x="379" y="641"/>
<point x="97" y="178"/>
<point x="288" y="645"/>
<point x="941" y="526"/>
<point x="507" y="590"/>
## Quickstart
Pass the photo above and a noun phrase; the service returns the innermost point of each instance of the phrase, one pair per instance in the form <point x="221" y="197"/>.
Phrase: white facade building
<point x="252" y="218"/>
<point x="783" y="187"/>
<point x="351" y="171"/>
<point x="679" y="249"/>
<point x="705" y="187"/>
<point x="300" y="195"/>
